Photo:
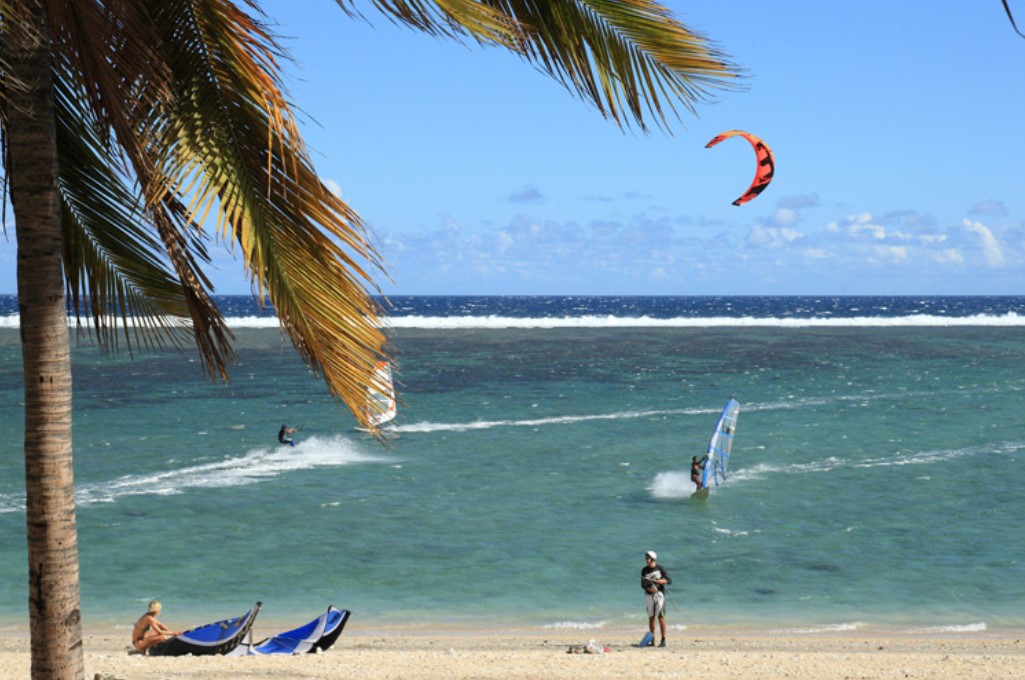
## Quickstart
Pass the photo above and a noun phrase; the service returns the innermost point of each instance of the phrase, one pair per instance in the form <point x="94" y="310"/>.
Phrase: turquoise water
<point x="876" y="481"/>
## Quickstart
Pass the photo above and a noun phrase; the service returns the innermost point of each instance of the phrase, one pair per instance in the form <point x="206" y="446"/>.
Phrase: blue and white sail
<point x="717" y="459"/>
<point x="382" y="394"/>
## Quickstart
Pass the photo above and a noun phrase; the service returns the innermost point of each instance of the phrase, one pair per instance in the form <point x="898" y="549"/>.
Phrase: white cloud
<point x="785" y="217"/>
<point x="948" y="256"/>
<point x="798" y="202"/>
<point x="897" y="252"/>
<point x="815" y="253"/>
<point x="874" y="231"/>
<point x="863" y="224"/>
<point x="528" y="194"/>
<point x="505" y="241"/>
<point x="992" y="252"/>
<point x="891" y="253"/>
<point x="989" y="208"/>
<point x="771" y="237"/>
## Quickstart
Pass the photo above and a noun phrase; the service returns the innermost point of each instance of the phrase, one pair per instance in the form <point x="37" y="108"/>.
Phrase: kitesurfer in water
<point x="283" y="435"/>
<point x="696" y="466"/>
<point x="148" y="631"/>
<point x="654" y="580"/>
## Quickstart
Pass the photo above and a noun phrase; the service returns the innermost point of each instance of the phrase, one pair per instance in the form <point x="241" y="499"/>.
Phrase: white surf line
<point x="493" y="322"/>
<point x="1010" y="319"/>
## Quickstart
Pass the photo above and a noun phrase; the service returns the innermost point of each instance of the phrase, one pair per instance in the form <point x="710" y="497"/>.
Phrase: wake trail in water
<point x="250" y="468"/>
<point x="787" y="405"/>
<point x="677" y="484"/>
<point x="538" y="422"/>
<point x="897" y="459"/>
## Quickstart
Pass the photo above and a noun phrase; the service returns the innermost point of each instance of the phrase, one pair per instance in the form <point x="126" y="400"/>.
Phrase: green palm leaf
<point x="629" y="58"/>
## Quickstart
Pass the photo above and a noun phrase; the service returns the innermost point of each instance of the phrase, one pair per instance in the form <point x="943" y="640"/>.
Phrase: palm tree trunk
<point x="54" y="614"/>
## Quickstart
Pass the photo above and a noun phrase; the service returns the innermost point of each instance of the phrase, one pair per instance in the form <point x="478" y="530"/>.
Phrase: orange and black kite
<point x="766" y="163"/>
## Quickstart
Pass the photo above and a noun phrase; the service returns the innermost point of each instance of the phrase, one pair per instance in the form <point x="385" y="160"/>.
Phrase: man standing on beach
<point x="654" y="580"/>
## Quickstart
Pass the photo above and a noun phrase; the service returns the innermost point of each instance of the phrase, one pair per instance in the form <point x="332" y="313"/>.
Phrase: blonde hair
<point x="154" y="607"/>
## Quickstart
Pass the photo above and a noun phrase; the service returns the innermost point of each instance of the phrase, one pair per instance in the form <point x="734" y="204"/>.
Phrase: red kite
<point x="766" y="163"/>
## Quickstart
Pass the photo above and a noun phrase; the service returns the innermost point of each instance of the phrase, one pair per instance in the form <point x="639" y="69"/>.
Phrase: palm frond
<point x="174" y="113"/>
<point x="183" y="99"/>
<point x="1007" y="8"/>
<point x="109" y="70"/>
<point x="237" y="156"/>
<point x="114" y="269"/>
<point x="630" y="58"/>
<point x="450" y="18"/>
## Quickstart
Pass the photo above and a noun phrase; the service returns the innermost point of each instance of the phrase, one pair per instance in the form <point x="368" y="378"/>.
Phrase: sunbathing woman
<point x="148" y="631"/>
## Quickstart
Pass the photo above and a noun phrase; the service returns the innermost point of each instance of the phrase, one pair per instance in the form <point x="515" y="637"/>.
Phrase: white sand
<point x="505" y="655"/>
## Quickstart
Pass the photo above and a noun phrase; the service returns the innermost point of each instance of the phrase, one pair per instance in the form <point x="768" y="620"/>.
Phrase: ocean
<point x="542" y="446"/>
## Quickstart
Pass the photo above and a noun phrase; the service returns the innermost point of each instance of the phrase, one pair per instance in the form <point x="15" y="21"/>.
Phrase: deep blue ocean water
<point x="541" y="447"/>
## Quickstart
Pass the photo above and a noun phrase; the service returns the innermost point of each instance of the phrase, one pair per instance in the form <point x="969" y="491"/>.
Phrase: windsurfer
<point x="283" y="435"/>
<point x="696" y="466"/>
<point x="148" y="631"/>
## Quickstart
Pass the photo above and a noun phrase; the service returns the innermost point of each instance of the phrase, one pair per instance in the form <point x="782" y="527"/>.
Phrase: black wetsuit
<point x="649" y="574"/>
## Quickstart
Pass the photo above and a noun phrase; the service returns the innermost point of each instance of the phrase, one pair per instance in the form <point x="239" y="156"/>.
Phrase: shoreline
<point x="791" y="624"/>
<point x="454" y="655"/>
<point x="790" y="628"/>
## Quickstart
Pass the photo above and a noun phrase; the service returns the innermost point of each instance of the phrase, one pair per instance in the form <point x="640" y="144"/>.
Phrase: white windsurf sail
<point x="720" y="445"/>
<point x="382" y="393"/>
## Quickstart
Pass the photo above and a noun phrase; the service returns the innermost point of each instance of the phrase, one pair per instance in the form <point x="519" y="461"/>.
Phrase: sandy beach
<point x="542" y="655"/>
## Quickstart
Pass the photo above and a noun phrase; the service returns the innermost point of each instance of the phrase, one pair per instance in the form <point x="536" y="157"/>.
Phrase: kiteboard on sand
<point x="717" y="459"/>
<point x="315" y="636"/>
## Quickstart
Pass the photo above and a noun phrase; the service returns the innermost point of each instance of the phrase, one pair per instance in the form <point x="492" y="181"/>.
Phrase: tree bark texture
<point x="54" y="601"/>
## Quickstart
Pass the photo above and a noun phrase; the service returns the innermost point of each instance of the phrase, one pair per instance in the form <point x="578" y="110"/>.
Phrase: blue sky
<point x="896" y="126"/>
